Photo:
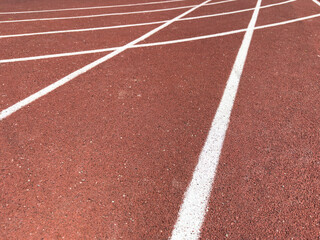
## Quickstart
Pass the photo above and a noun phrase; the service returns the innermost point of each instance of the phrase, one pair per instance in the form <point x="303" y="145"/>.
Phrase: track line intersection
<point x="110" y="153"/>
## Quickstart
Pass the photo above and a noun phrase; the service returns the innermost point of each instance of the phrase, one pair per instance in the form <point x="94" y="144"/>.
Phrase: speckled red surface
<point x="110" y="154"/>
<point x="268" y="181"/>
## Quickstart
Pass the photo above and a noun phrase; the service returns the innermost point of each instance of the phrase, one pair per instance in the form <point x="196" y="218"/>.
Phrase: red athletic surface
<point x="110" y="154"/>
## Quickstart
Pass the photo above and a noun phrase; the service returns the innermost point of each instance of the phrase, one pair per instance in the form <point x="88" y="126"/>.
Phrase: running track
<point x="176" y="119"/>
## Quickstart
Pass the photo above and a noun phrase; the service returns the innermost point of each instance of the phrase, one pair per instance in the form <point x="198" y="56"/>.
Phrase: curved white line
<point x="238" y="11"/>
<point x="157" y="43"/>
<point x="81" y="30"/>
<point x="97" y="7"/>
<point x="110" y="14"/>
<point x="137" y="24"/>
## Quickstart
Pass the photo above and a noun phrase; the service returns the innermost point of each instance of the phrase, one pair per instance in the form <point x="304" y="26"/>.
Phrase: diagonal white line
<point x="82" y="30"/>
<point x="7" y="112"/>
<point x="193" y="208"/>
<point x="139" y="24"/>
<point x="109" y="14"/>
<point x="87" y="8"/>
<point x="316" y="2"/>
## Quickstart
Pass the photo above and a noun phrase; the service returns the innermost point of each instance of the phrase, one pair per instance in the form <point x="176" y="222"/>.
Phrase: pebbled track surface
<point x="110" y="154"/>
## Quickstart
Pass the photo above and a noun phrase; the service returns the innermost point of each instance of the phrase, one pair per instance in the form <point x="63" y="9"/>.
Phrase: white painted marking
<point x="157" y="43"/>
<point x="193" y="209"/>
<point x="240" y="11"/>
<point x="288" y="21"/>
<point x="83" y="29"/>
<point x="111" y="14"/>
<point x="58" y="55"/>
<point x="138" y="24"/>
<point x="189" y="39"/>
<point x="316" y="2"/>
<point x="7" y="112"/>
<point x="87" y="8"/>
<point x="224" y="33"/>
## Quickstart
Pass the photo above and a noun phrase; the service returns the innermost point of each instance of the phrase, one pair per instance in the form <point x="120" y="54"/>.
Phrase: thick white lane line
<point x="96" y="7"/>
<point x="316" y="2"/>
<point x="193" y="208"/>
<point x="139" y="24"/>
<point x="7" y="112"/>
<point x="111" y="14"/>
<point x="157" y="43"/>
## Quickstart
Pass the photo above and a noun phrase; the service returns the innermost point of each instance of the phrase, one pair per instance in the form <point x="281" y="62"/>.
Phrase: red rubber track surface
<point x="272" y="150"/>
<point x="18" y="5"/>
<point x="110" y="154"/>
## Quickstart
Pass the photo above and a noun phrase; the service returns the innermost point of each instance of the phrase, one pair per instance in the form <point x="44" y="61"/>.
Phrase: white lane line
<point x="224" y="33"/>
<point x="316" y="2"/>
<point x="138" y="24"/>
<point x="193" y="209"/>
<point x="110" y="14"/>
<point x="288" y="21"/>
<point x="240" y="11"/>
<point x="157" y="43"/>
<point x="96" y="7"/>
<point x="7" y="112"/>
<point x="58" y="55"/>
<point x="82" y="30"/>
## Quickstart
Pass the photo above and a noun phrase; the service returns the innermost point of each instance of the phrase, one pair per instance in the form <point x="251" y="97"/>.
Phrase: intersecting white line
<point x="157" y="43"/>
<point x="10" y="110"/>
<point x="138" y="24"/>
<point x="96" y="7"/>
<point x="110" y="14"/>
